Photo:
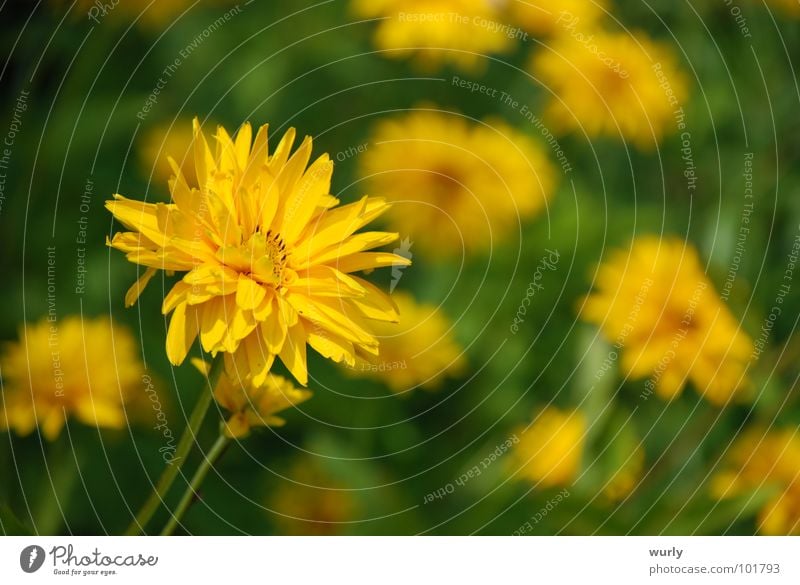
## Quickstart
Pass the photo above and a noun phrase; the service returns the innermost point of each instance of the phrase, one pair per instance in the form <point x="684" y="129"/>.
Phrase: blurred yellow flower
<point x="311" y="502"/>
<point x="438" y="32"/>
<point x="546" y="18"/>
<point x="613" y="85"/>
<point x="165" y="140"/>
<point x="267" y="258"/>
<point x="655" y="303"/>
<point x="81" y="368"/>
<point x="765" y="459"/>
<point x="253" y="406"/>
<point x="549" y="452"/>
<point x="456" y="184"/>
<point x="420" y="350"/>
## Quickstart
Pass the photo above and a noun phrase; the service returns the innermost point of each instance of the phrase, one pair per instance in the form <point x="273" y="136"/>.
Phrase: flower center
<point x="262" y="257"/>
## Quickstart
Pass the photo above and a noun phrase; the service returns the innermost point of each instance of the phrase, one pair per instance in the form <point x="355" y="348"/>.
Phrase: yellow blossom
<point x="266" y="257"/>
<point x="765" y="459"/>
<point x="73" y="367"/>
<point x="456" y="184"/>
<point x="418" y="351"/>
<point x="438" y="32"/>
<point x="613" y="85"/>
<point x="549" y="451"/>
<point x="253" y="406"/>
<point x="311" y="502"/>
<point x="545" y="18"/>
<point x="656" y="303"/>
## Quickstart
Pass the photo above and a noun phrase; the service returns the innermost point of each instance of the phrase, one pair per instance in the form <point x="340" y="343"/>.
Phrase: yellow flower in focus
<point x="612" y="85"/>
<point x="267" y="259"/>
<point x="310" y="502"/>
<point x="418" y="351"/>
<point x="161" y="142"/>
<point x="765" y="459"/>
<point x="456" y="184"/>
<point x="81" y="368"/>
<point x="545" y="18"/>
<point x="253" y="406"/>
<point x="550" y="450"/>
<point x="655" y="302"/>
<point x="438" y="32"/>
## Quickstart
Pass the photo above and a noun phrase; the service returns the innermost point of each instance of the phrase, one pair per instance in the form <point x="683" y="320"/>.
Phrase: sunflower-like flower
<point x="267" y="257"/>
<point x="311" y="502"/>
<point x="545" y="18"/>
<point x="613" y="85"/>
<point x="253" y="406"/>
<point x="456" y="184"/>
<point x="765" y="459"/>
<point x="418" y="351"/>
<point x="438" y="32"/>
<point x="73" y="367"/>
<point x="549" y="451"/>
<point x="656" y="304"/>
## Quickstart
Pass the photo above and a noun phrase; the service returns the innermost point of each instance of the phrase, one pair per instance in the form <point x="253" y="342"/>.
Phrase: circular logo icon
<point x="31" y="558"/>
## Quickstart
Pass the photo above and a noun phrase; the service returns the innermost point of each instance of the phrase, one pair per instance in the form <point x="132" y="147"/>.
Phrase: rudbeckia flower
<point x="266" y="256"/>
<point x="547" y="18"/>
<point x="72" y="367"/>
<point x="656" y="304"/>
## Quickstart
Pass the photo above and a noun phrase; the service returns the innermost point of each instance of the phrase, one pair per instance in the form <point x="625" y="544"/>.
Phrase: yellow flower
<point x="266" y="257"/>
<point x="82" y="368"/>
<point x="456" y="184"/>
<point x="253" y="406"/>
<point x="311" y="502"/>
<point x="418" y="351"/>
<point x="765" y="459"/>
<point x="656" y="305"/>
<point x="160" y="142"/>
<point x="544" y="18"/>
<point x="550" y="450"/>
<point x="613" y="85"/>
<point x="438" y="32"/>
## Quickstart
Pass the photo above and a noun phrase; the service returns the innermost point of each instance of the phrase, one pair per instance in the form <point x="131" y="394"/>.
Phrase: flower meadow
<point x="383" y="267"/>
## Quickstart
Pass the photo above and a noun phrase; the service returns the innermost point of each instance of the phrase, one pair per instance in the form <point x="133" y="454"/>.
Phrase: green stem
<point x="184" y="446"/>
<point x="191" y="491"/>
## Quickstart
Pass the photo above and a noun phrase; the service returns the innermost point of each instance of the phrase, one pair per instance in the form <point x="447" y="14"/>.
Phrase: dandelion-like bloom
<point x="765" y="459"/>
<point x="161" y="142"/>
<point x="253" y="406"/>
<point x="613" y="85"/>
<point x="267" y="258"/>
<point x="438" y="32"/>
<point x="655" y="303"/>
<point x="311" y="502"/>
<point x="456" y="184"/>
<point x="545" y="18"/>
<point x="81" y="368"/>
<point x="549" y="452"/>
<point x="420" y="350"/>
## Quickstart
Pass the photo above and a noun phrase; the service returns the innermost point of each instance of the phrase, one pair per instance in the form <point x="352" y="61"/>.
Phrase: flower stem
<point x="184" y="446"/>
<point x="191" y="491"/>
